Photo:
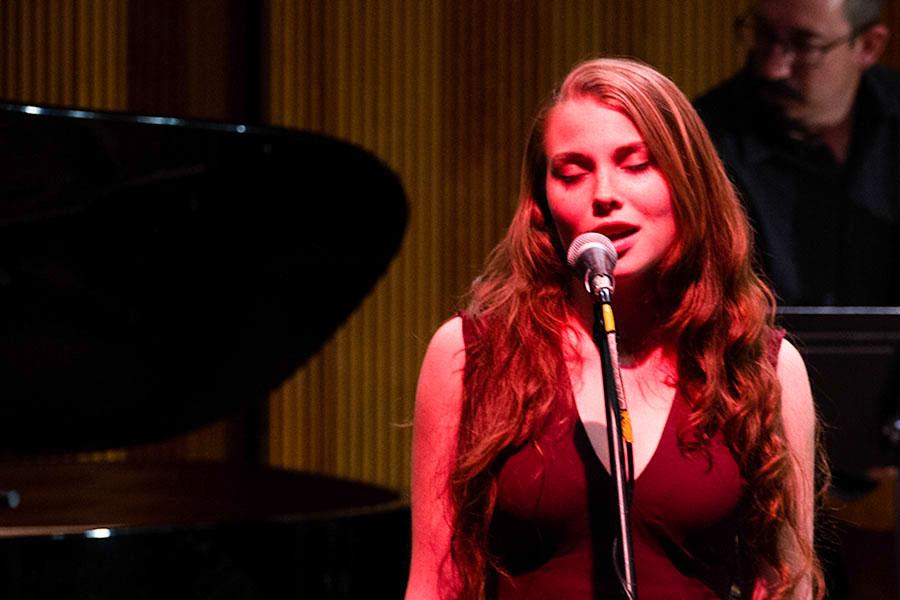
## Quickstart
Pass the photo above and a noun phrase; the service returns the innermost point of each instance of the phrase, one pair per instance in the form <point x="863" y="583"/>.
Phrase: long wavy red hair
<point x="717" y="314"/>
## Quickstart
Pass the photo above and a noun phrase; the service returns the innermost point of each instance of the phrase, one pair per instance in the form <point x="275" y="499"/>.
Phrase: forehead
<point x="587" y="121"/>
<point x="804" y="15"/>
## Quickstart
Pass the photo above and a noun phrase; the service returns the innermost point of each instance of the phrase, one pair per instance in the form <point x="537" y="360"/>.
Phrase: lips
<point x="617" y="231"/>
<point x="620" y="234"/>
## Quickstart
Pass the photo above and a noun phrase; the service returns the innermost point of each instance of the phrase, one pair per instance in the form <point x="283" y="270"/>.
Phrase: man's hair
<point x="862" y="14"/>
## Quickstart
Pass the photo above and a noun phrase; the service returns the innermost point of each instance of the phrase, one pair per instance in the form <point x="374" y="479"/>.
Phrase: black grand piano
<point x="157" y="274"/>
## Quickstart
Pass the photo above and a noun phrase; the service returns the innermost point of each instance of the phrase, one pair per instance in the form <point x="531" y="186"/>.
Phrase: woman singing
<point x="511" y="491"/>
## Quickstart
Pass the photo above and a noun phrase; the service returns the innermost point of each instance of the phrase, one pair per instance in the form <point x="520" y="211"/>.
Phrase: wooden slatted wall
<point x="366" y="72"/>
<point x="443" y="91"/>
<point x="68" y="52"/>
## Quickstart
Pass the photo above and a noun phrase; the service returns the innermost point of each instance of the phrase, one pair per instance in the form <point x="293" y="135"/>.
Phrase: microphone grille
<point x="586" y="241"/>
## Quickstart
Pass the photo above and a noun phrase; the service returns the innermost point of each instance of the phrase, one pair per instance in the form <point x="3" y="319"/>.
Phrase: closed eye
<point x="568" y="176"/>
<point x="637" y="167"/>
<point x="570" y="179"/>
<point x="570" y="167"/>
<point x="634" y="158"/>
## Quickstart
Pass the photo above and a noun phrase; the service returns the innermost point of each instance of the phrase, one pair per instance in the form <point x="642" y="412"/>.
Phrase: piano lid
<point x="158" y="273"/>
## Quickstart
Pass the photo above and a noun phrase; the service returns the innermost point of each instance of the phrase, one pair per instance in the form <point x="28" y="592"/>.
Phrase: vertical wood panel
<point x="63" y="52"/>
<point x="444" y="92"/>
<point x="363" y="75"/>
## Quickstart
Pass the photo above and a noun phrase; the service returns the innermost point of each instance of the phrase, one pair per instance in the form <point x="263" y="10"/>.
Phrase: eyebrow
<point x="624" y="152"/>
<point x="571" y="158"/>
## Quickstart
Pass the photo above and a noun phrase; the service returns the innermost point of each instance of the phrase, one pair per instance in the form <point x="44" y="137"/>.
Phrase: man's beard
<point x="778" y="98"/>
<point x="778" y="93"/>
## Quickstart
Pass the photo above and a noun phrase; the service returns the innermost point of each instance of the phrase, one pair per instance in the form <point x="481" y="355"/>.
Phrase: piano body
<point x="157" y="274"/>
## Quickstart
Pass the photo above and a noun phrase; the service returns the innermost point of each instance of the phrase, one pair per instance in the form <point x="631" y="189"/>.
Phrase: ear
<point x="872" y="43"/>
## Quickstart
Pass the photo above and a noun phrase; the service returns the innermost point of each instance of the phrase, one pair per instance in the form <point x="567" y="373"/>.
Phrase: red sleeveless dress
<point x="554" y="522"/>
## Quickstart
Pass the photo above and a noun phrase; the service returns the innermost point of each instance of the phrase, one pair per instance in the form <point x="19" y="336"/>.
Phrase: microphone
<point x="594" y="255"/>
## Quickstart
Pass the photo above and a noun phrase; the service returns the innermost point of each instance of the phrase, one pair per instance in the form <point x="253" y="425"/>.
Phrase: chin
<point x="630" y="275"/>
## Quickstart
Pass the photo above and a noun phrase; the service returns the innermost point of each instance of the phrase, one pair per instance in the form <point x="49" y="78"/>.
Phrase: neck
<point x="836" y="137"/>
<point x="638" y="323"/>
<point x="833" y="129"/>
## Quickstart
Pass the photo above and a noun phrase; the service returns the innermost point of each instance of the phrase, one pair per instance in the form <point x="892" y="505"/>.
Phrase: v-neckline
<point x="596" y="433"/>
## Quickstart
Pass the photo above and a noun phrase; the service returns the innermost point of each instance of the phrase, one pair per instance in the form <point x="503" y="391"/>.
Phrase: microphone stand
<point x="618" y="430"/>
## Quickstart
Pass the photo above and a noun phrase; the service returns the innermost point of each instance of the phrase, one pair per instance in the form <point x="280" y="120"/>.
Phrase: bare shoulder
<point x="439" y="391"/>
<point x="440" y="378"/>
<point x="448" y="339"/>
<point x="792" y="370"/>
<point x="790" y="362"/>
<point x="437" y="413"/>
<point x="797" y="406"/>
<point x="799" y="419"/>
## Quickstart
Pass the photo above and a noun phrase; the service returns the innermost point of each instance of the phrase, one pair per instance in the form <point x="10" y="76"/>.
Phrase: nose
<point x="773" y="62"/>
<point x="606" y="196"/>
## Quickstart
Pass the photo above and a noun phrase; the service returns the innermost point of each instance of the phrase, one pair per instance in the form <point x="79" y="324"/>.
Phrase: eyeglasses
<point x="757" y="36"/>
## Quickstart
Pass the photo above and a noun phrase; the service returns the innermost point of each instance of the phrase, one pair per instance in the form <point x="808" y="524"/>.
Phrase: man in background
<point x="810" y="133"/>
<point x="809" y="130"/>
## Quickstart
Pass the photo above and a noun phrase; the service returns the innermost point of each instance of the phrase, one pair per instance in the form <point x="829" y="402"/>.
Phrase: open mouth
<point x="618" y="233"/>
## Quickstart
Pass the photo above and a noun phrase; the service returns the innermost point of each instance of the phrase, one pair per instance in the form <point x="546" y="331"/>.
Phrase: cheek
<point x="670" y="227"/>
<point x="567" y="218"/>
<point x="669" y="234"/>
<point x="662" y="215"/>
<point x="822" y="85"/>
<point x="657" y="202"/>
<point x="565" y="229"/>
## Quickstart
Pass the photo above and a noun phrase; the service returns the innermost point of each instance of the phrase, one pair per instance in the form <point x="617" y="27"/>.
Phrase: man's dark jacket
<point x="826" y="233"/>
